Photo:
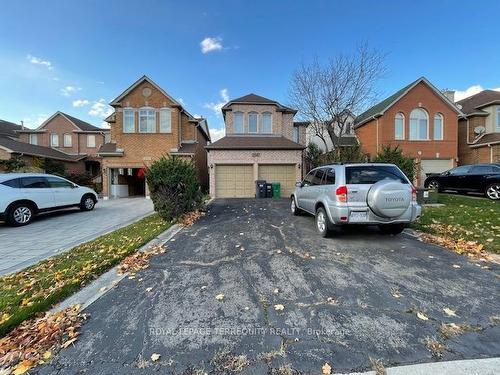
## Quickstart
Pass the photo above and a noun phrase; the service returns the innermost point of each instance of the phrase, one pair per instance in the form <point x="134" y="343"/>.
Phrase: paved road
<point x="52" y="233"/>
<point x="337" y="297"/>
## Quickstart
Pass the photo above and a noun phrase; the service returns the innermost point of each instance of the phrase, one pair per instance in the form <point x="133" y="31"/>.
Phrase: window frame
<point x="35" y="137"/>
<point x="441" y="117"/>
<point x="65" y="137"/>
<point x="22" y="179"/>
<point x="256" y="122"/>
<point x="88" y="138"/>
<point x="125" y="111"/>
<point x="332" y="172"/>
<point x="166" y="111"/>
<point x="498" y="119"/>
<point x="418" y="109"/>
<point x="318" y="180"/>
<point x="239" y="113"/>
<point x="399" y="116"/>
<point x="68" y="184"/>
<point x="296" y="134"/>
<point x="264" y="115"/>
<point x="52" y="137"/>
<point x="147" y="109"/>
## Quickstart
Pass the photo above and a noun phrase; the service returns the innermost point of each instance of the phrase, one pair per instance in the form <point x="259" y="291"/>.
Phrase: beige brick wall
<point x="254" y="157"/>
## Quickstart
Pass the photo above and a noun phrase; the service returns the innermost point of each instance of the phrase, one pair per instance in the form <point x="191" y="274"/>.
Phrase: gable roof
<point x="79" y="124"/>
<point x="9" y="128"/>
<point x="254" y="143"/>
<point x="256" y="99"/>
<point x="203" y="125"/>
<point x="379" y="109"/>
<point x="486" y="139"/>
<point x="18" y="147"/>
<point x="472" y="104"/>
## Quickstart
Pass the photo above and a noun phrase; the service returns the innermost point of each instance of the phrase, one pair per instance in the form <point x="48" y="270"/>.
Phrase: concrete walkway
<point x="56" y="232"/>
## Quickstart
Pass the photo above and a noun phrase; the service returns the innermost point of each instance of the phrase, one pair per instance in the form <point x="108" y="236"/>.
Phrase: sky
<point x="77" y="56"/>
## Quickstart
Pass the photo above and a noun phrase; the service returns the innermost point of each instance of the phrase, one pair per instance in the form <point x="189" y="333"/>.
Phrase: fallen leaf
<point x="155" y="357"/>
<point x="422" y="316"/>
<point x="279" y="307"/>
<point x="102" y="289"/>
<point x="219" y="297"/>
<point x="326" y="369"/>
<point x="47" y="354"/>
<point x="276" y="291"/>
<point x="449" y="312"/>
<point x="203" y="287"/>
<point x="69" y="342"/>
<point x="456" y="266"/>
<point x="149" y="289"/>
<point x="23" y="367"/>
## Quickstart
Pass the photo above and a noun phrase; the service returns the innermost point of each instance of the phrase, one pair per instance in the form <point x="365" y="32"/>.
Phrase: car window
<point x="318" y="176"/>
<point x="34" y="182"/>
<point x="373" y="174"/>
<point x="308" y="179"/>
<point x="14" y="183"/>
<point x="482" y="169"/>
<point x="55" y="182"/>
<point x="459" y="170"/>
<point x="329" y="177"/>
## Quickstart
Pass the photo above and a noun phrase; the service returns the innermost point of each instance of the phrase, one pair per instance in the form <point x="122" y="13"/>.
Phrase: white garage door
<point x="434" y="166"/>
<point x="282" y="173"/>
<point x="234" y="181"/>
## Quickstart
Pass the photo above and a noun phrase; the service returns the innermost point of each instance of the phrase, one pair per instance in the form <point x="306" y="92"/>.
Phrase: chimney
<point x="22" y="125"/>
<point x="450" y="94"/>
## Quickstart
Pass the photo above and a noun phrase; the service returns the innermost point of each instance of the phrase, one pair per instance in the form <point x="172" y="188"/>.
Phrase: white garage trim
<point x="434" y="166"/>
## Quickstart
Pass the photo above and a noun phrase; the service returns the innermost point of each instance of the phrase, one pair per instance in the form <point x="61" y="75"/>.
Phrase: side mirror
<point x="74" y="186"/>
<point x="298" y="184"/>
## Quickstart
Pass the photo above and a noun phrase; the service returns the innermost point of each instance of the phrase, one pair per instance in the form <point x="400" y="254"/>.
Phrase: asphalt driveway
<point x="345" y="300"/>
<point x="56" y="232"/>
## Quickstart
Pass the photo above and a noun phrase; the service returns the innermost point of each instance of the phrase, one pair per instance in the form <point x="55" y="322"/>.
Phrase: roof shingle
<point x="35" y="150"/>
<point x="473" y="103"/>
<point x="254" y="143"/>
<point x="9" y="129"/>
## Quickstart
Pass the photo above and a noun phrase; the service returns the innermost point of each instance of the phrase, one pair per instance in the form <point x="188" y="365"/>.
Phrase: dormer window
<point x="147" y="121"/>
<point x="238" y="122"/>
<point x="267" y="126"/>
<point x="252" y="122"/>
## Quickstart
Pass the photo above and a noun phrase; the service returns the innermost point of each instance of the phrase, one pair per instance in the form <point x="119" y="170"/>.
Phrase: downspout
<point x="491" y="153"/>
<point x="179" y="131"/>
<point x="377" y="134"/>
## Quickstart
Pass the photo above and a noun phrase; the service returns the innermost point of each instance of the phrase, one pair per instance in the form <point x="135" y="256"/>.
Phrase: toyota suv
<point x="369" y="193"/>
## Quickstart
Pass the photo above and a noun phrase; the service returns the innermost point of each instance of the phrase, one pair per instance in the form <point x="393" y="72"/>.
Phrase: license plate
<point x="358" y="216"/>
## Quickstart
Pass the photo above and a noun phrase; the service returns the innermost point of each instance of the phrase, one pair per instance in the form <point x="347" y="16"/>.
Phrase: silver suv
<point x="367" y="193"/>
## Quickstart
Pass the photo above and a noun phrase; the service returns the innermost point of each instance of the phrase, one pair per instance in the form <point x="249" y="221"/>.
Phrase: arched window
<point x="399" y="126"/>
<point x="419" y="125"/>
<point x="238" y="122"/>
<point x="438" y="127"/>
<point x="267" y="126"/>
<point x="252" y="122"/>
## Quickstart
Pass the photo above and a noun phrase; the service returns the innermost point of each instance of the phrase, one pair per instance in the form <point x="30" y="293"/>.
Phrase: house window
<point x="348" y="128"/>
<point x="399" y="126"/>
<point x="267" y="126"/>
<point x="67" y="140"/>
<point x="238" y="122"/>
<point x="128" y="121"/>
<point x="34" y="139"/>
<point x="252" y="122"/>
<point x="54" y="140"/>
<point x="147" y="121"/>
<point x="498" y="118"/>
<point x="166" y="120"/>
<point x="419" y="125"/>
<point x="438" y="127"/>
<point x="296" y="134"/>
<point x="91" y="140"/>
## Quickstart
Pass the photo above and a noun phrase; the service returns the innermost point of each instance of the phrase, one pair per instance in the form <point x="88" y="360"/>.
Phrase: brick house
<point x="421" y="120"/>
<point x="262" y="142"/>
<point x="479" y="128"/>
<point x="70" y="136"/>
<point x="148" y="123"/>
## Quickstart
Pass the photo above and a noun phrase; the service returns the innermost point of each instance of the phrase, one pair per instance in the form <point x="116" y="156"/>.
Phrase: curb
<point x="104" y="283"/>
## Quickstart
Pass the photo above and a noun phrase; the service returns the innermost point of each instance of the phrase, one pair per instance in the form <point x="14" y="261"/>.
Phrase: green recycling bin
<point x="276" y="190"/>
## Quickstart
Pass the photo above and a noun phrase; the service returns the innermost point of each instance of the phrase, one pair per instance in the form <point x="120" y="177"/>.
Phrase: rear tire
<point x="392" y="228"/>
<point x="293" y="207"/>
<point x="20" y="214"/>
<point x="493" y="191"/>
<point x="435" y="185"/>
<point x="322" y="221"/>
<point x="87" y="203"/>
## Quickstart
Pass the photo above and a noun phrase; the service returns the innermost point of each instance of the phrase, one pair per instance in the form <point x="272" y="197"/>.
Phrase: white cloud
<point x="35" y="121"/>
<point x="473" y="90"/>
<point x="216" y="134"/>
<point x="38" y="61"/>
<point x="211" y="44"/>
<point x="100" y="109"/>
<point x="216" y="107"/>
<point x="180" y="100"/>
<point x="80" y="103"/>
<point x="69" y="90"/>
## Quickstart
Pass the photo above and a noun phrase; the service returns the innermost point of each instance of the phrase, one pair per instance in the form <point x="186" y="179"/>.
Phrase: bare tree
<point x="328" y="95"/>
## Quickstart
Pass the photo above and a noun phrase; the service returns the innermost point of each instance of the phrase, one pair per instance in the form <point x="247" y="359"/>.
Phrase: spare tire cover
<point x="389" y="198"/>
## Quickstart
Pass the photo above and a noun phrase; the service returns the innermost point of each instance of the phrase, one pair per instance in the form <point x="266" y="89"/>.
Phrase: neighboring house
<point x="479" y="129"/>
<point x="320" y="137"/>
<point x="421" y="120"/>
<point x="261" y="143"/>
<point x="11" y="146"/>
<point x="147" y="124"/>
<point x="70" y="136"/>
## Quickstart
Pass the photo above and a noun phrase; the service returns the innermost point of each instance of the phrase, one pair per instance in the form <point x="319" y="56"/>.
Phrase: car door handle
<point x="353" y="190"/>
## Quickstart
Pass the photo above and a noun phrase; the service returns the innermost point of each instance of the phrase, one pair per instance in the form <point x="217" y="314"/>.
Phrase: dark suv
<point x="477" y="178"/>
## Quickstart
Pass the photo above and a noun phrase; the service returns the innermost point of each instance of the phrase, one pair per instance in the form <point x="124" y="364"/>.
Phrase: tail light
<point x="413" y="194"/>
<point x="341" y="193"/>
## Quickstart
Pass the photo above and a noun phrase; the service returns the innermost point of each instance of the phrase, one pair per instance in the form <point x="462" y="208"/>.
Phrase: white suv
<point x="23" y="195"/>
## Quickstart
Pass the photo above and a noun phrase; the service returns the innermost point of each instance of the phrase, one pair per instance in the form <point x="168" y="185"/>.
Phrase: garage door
<point x="282" y="173"/>
<point x="234" y="181"/>
<point x="434" y="166"/>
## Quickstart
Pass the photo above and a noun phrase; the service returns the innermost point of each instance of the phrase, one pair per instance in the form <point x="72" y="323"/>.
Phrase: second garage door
<point x="434" y="166"/>
<point x="234" y="181"/>
<point x="282" y="173"/>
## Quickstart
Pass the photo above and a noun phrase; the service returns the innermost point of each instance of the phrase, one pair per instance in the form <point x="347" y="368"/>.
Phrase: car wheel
<point x="434" y="184"/>
<point x="87" y="203"/>
<point x="322" y="222"/>
<point x="493" y="191"/>
<point x="392" y="228"/>
<point x="293" y="207"/>
<point x="20" y="214"/>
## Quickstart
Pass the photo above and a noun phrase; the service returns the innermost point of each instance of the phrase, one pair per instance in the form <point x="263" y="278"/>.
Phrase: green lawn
<point x="464" y="217"/>
<point x="39" y="287"/>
